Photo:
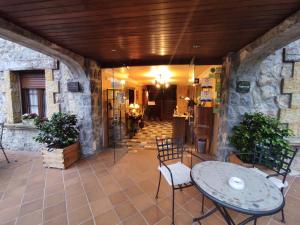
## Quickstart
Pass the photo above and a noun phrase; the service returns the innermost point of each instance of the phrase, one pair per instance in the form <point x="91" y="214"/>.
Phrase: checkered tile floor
<point x="145" y="138"/>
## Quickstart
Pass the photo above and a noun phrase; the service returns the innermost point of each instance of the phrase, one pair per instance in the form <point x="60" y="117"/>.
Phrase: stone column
<point x="52" y="87"/>
<point x="291" y="116"/>
<point x="11" y="88"/>
<point x="223" y="130"/>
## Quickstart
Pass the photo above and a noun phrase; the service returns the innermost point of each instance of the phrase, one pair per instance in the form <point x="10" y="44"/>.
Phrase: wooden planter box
<point x="61" y="158"/>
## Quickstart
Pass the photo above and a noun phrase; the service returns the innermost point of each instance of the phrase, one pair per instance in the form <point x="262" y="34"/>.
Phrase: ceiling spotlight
<point x="196" y="46"/>
<point x="113" y="50"/>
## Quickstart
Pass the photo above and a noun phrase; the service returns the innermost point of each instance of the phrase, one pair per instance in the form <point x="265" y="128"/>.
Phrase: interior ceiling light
<point x="161" y="75"/>
<point x="161" y="81"/>
<point x="113" y="50"/>
<point x="196" y="46"/>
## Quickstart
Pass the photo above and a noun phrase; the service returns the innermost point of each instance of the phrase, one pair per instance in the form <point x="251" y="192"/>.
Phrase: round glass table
<point x="235" y="187"/>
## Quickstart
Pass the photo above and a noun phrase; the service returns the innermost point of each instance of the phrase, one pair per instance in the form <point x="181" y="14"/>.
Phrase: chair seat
<point x="180" y="173"/>
<point x="274" y="180"/>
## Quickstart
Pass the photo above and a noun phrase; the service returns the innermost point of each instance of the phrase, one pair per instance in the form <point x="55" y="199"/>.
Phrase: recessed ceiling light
<point x="113" y="50"/>
<point x="196" y="46"/>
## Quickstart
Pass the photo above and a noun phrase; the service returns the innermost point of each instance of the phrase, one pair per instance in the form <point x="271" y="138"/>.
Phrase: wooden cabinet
<point x="203" y="125"/>
<point x="179" y="128"/>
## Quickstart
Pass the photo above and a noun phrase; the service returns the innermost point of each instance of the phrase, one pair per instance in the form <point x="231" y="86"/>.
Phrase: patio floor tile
<point x="54" y="199"/>
<point x="136" y="219"/>
<point x="34" y="218"/>
<point x="107" y="218"/>
<point x="101" y="205"/>
<point x="9" y="214"/>
<point x="142" y="202"/>
<point x="79" y="215"/>
<point x="97" y="191"/>
<point x="118" y="197"/>
<point x="125" y="210"/>
<point x="54" y="211"/>
<point x="31" y="206"/>
<point x="153" y="214"/>
<point x="76" y="201"/>
<point x="60" y="220"/>
<point x="13" y="222"/>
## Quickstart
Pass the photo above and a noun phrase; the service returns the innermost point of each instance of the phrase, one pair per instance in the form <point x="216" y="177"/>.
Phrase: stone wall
<point x="274" y="90"/>
<point x="14" y="57"/>
<point x="266" y="94"/>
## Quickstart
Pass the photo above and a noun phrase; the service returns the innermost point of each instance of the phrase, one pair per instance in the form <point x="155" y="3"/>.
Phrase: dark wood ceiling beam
<point x="174" y="23"/>
<point x="121" y="13"/>
<point x="179" y="61"/>
<point x="149" y="31"/>
<point x="198" y="17"/>
<point x="245" y="12"/>
<point x="99" y="34"/>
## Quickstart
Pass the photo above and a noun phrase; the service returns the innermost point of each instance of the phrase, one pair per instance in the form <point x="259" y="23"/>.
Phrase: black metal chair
<point x="1" y="146"/>
<point x="277" y="160"/>
<point x="176" y="174"/>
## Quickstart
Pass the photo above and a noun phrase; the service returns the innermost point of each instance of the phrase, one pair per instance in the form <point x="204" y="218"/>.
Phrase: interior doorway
<point x="180" y="101"/>
<point x="164" y="103"/>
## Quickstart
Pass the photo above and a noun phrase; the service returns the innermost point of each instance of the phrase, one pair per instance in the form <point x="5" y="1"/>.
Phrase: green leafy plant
<point x="58" y="132"/>
<point x="259" y="129"/>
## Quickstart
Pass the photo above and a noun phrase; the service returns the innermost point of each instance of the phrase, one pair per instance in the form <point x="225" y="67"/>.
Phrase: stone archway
<point x="73" y="67"/>
<point x="266" y="66"/>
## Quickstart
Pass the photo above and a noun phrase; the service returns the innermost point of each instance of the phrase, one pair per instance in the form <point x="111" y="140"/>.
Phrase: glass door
<point x="115" y="108"/>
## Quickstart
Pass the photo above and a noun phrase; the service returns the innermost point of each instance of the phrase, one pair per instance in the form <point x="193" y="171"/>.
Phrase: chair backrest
<point x="278" y="160"/>
<point x="169" y="149"/>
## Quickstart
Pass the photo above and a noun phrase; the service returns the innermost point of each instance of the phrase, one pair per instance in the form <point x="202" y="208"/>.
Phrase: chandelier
<point x="161" y="82"/>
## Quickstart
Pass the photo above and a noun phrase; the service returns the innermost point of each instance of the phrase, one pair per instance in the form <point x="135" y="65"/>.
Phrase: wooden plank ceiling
<point x="144" y="32"/>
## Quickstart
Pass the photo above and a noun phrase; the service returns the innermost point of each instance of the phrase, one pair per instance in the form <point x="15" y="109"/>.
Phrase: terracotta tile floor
<point x="96" y="191"/>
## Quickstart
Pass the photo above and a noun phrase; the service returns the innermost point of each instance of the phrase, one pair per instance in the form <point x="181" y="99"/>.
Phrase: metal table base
<point x="226" y="216"/>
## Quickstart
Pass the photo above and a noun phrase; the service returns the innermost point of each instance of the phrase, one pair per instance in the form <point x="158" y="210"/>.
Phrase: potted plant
<point x="60" y="133"/>
<point x="133" y="122"/>
<point x="259" y="129"/>
<point x="28" y="118"/>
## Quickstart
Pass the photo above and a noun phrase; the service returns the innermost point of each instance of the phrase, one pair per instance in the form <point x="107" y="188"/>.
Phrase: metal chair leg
<point x="202" y="208"/>
<point x="173" y="206"/>
<point x="4" y="154"/>
<point x="282" y="216"/>
<point x="282" y="211"/>
<point x="156" y="196"/>
<point x="180" y="186"/>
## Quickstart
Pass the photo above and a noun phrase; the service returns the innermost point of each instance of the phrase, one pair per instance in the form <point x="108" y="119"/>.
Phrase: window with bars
<point x="33" y="92"/>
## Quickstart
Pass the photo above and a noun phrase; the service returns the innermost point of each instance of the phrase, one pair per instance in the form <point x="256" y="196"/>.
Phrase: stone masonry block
<point x="13" y="97"/>
<point x="2" y="87"/>
<point x="291" y="86"/>
<point x="52" y="108"/>
<point x="290" y="115"/>
<point x="52" y="86"/>
<point x="296" y="73"/>
<point x="295" y="127"/>
<point x="295" y="101"/>
<point x="48" y="75"/>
